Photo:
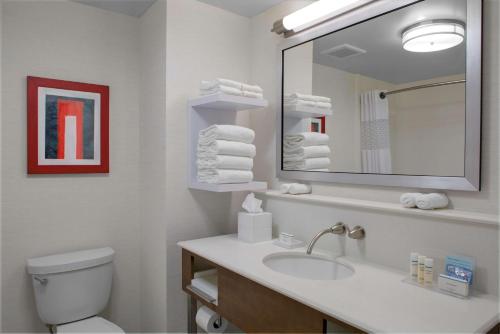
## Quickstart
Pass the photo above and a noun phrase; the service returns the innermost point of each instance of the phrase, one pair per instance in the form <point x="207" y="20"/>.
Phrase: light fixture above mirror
<point x="434" y="35"/>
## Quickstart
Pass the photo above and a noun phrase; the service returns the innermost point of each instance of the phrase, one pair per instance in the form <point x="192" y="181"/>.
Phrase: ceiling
<point x="248" y="8"/>
<point x="128" y="7"/>
<point x="385" y="59"/>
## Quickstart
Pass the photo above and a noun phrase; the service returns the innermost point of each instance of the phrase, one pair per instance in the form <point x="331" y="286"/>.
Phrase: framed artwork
<point x="68" y="127"/>
<point x="318" y="124"/>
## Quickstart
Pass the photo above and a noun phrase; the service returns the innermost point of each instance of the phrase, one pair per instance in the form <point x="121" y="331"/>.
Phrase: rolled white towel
<point x="210" y="84"/>
<point x="284" y="188"/>
<point x="295" y="188"/>
<point x="253" y="95"/>
<point x="304" y="139"/>
<point x="432" y="201"/>
<point x="225" y="162"/>
<point x="226" y="132"/>
<point x="251" y="88"/>
<point x="225" y="147"/>
<point x="307" y="164"/>
<point x="307" y="97"/>
<point x="223" y="176"/>
<point x="409" y="200"/>
<point x="299" y="188"/>
<point x="299" y="153"/>
<point x="222" y="89"/>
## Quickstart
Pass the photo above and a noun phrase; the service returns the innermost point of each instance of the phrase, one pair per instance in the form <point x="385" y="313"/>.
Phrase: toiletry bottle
<point x="414" y="265"/>
<point x="428" y="272"/>
<point x="421" y="267"/>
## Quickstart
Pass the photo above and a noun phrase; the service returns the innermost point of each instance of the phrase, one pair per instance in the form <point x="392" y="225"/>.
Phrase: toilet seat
<point x="90" y="325"/>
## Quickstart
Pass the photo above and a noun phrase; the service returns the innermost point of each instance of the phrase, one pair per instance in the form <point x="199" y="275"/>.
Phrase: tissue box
<point x="255" y="227"/>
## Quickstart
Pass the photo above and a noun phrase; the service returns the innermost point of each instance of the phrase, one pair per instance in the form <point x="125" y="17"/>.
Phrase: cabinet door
<point x="255" y="308"/>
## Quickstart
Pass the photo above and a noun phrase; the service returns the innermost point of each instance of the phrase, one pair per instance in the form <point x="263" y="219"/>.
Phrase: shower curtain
<point x="375" y="136"/>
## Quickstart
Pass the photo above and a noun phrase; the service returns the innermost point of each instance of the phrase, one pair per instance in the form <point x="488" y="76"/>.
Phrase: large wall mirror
<point x="387" y="95"/>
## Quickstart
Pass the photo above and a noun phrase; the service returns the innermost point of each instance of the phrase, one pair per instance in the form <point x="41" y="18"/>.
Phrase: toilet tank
<point x="71" y="286"/>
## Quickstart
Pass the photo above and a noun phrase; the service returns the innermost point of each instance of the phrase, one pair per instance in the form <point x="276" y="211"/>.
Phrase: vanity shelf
<point x="212" y="109"/>
<point x="225" y="102"/>
<point x="394" y="208"/>
<point x="306" y="112"/>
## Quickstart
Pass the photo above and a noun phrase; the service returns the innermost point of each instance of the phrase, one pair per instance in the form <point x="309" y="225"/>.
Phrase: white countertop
<point x="374" y="299"/>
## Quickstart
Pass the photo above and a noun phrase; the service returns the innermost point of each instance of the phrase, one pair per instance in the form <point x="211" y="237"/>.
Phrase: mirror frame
<point x="472" y="164"/>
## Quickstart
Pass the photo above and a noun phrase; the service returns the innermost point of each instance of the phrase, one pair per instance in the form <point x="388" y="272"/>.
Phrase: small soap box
<point x="288" y="241"/>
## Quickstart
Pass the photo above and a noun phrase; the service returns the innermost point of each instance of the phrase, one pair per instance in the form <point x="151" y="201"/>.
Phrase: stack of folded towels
<point x="225" y="154"/>
<point x="306" y="151"/>
<point x="297" y="99"/>
<point x="230" y="87"/>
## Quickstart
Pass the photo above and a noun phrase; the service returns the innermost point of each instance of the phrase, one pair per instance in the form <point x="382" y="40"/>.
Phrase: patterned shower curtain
<point x="375" y="136"/>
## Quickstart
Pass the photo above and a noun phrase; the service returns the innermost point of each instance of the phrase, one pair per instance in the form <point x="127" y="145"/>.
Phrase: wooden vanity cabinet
<point x="255" y="308"/>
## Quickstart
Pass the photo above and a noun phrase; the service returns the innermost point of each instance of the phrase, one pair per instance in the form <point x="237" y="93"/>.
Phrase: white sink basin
<point x="311" y="267"/>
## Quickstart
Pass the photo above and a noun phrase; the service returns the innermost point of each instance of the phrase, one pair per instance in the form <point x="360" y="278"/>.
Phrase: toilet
<point x="72" y="288"/>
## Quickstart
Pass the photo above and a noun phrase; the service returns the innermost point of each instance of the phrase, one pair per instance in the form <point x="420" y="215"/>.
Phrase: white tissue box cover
<point x="255" y="227"/>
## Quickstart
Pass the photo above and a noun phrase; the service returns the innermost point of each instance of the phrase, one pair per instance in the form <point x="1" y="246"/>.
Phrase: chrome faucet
<point x="338" y="228"/>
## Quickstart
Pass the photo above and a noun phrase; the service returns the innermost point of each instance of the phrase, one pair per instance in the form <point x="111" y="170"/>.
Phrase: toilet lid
<point x="90" y="325"/>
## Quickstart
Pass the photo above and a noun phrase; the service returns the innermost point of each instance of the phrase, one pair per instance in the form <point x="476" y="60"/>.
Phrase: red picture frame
<point x="318" y="124"/>
<point x="83" y="145"/>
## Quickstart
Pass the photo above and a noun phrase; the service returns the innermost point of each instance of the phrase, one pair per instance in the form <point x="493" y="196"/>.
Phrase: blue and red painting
<point x="69" y="121"/>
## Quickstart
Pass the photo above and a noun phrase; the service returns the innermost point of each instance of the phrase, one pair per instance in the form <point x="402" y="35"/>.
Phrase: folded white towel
<point x="251" y="88"/>
<point x="222" y="89"/>
<point x="300" y="103"/>
<point x="210" y="84"/>
<point x="308" y="103"/>
<point x="306" y="97"/>
<point x="409" y="200"/>
<point x="295" y="188"/>
<point x="305" y="139"/>
<point x="307" y="164"/>
<point x="221" y="176"/>
<point x="219" y="82"/>
<point x="225" y="162"/>
<point x="299" y="153"/>
<point x="324" y="105"/>
<point x="432" y="201"/>
<point x="226" y="132"/>
<point x="224" y="147"/>
<point x="253" y="95"/>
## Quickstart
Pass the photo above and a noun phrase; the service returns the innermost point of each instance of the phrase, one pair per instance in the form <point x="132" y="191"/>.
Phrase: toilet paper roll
<point x="209" y="321"/>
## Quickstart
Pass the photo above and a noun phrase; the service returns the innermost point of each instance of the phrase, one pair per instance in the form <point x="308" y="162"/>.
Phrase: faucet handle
<point x="357" y="232"/>
<point x="338" y="228"/>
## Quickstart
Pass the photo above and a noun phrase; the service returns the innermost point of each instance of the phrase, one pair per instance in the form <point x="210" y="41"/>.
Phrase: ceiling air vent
<point x="343" y="51"/>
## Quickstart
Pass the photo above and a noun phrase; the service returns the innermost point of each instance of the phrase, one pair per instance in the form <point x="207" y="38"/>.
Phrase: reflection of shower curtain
<point x="375" y="136"/>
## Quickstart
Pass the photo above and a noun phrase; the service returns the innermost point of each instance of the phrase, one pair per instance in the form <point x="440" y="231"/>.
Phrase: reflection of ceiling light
<point x="435" y="35"/>
<point x="319" y="11"/>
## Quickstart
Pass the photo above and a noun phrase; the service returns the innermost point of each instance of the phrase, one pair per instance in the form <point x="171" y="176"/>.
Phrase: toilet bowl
<point x="71" y="289"/>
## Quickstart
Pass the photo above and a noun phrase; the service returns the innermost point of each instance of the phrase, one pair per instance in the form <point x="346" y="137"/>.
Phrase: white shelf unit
<point x="212" y="109"/>
<point x="298" y="111"/>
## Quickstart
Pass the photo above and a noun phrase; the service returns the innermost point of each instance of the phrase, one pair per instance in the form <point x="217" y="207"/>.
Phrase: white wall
<point x="343" y="125"/>
<point x="428" y="123"/>
<point x="49" y="214"/>
<point x="431" y="234"/>
<point x="153" y="211"/>
<point x="203" y="42"/>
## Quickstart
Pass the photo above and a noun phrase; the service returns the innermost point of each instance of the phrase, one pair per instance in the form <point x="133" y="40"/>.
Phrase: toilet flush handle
<point x="42" y="281"/>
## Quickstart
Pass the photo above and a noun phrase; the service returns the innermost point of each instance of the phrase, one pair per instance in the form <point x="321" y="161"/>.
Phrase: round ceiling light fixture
<point x="433" y="35"/>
